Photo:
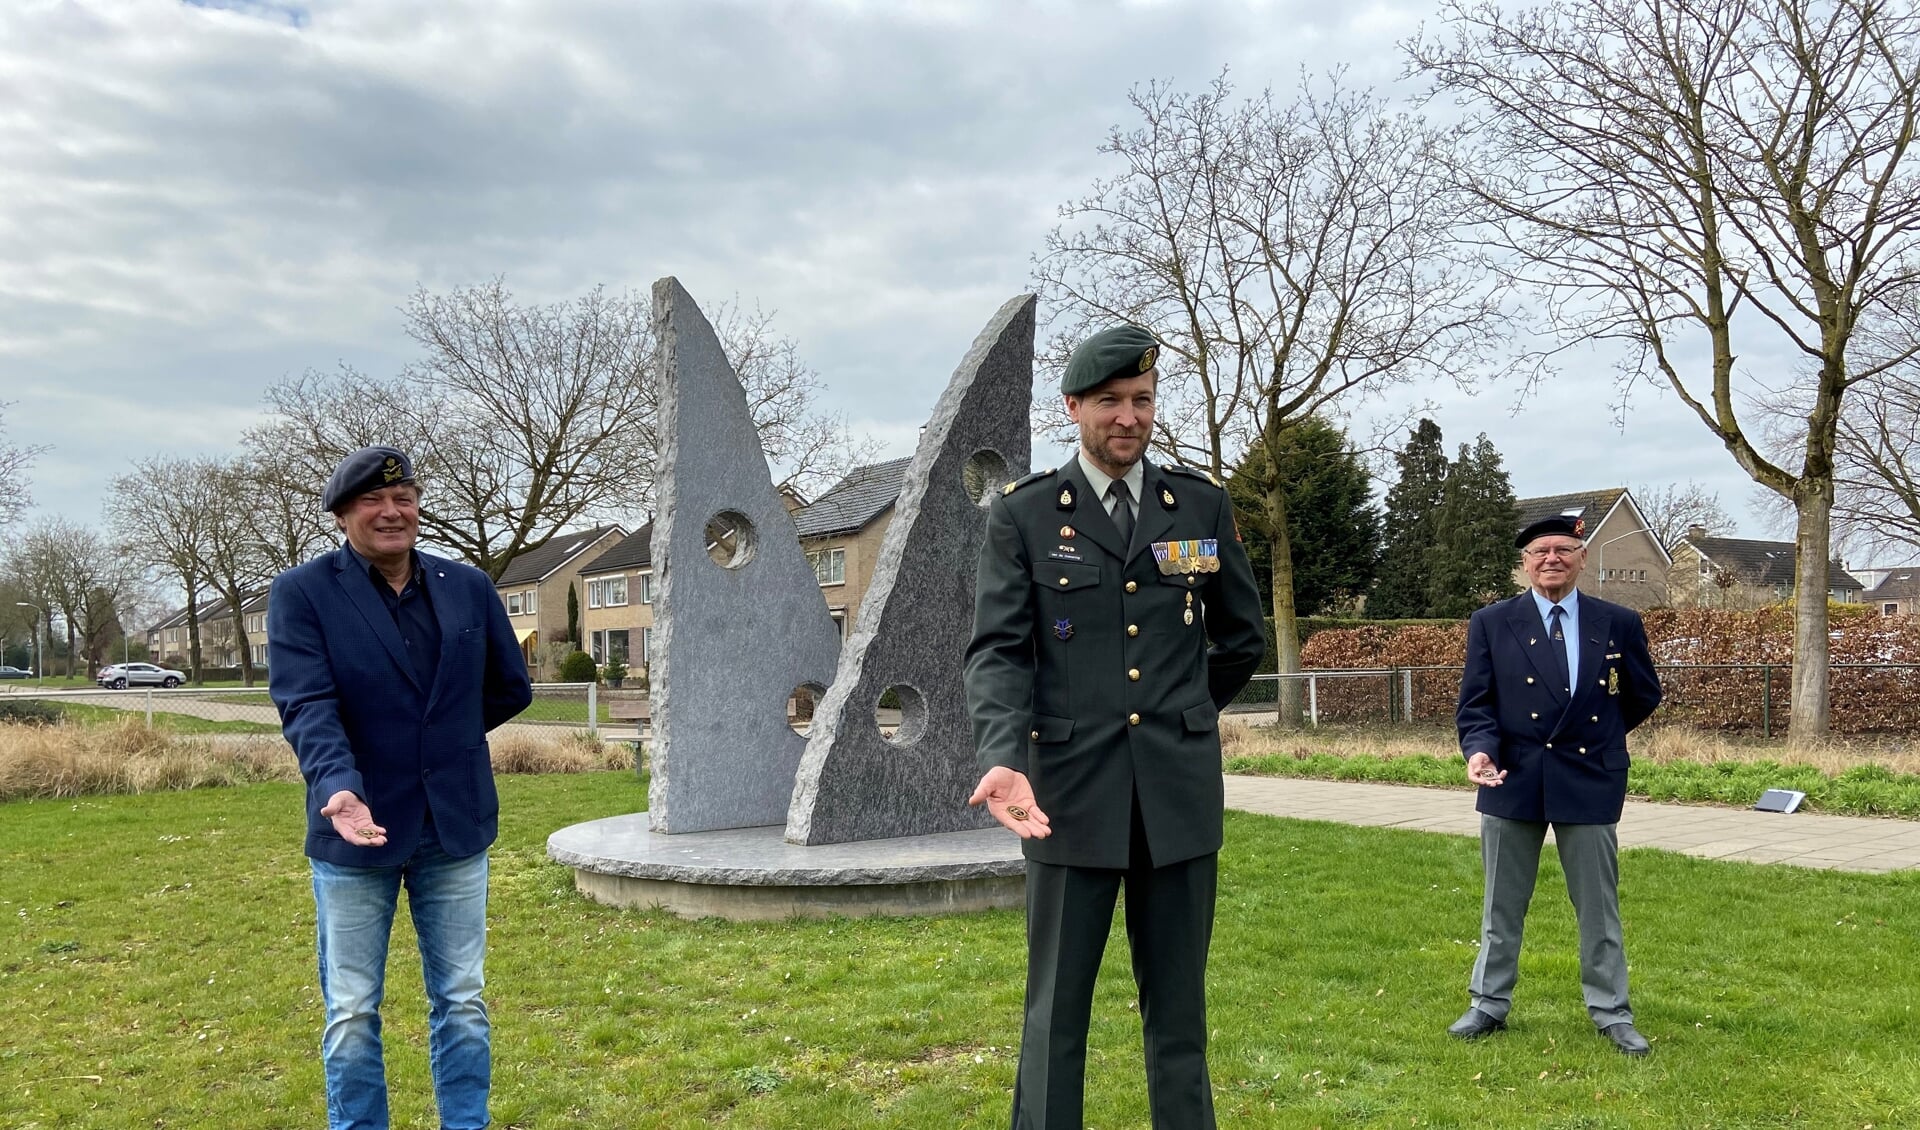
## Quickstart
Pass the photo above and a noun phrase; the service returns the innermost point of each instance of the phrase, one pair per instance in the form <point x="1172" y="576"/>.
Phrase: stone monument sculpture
<point x="746" y="818"/>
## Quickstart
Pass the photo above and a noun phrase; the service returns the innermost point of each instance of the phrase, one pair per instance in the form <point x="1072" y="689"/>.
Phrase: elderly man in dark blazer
<point x="1114" y="616"/>
<point x="389" y="666"/>
<point x="1554" y="681"/>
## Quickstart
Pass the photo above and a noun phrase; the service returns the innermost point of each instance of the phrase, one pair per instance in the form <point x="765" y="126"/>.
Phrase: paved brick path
<point x="1804" y="839"/>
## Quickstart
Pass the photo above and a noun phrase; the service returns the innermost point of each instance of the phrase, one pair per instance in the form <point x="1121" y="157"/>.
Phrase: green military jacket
<point x="1099" y="675"/>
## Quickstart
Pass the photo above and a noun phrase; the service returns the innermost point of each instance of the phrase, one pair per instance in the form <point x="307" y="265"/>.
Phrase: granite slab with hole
<point x="731" y="641"/>
<point x="856" y="783"/>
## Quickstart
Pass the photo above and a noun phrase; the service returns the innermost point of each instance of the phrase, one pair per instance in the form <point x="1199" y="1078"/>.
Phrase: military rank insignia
<point x="391" y="471"/>
<point x="1066" y="498"/>
<point x="1613" y="680"/>
<point x="1167" y="500"/>
<point x="1199" y="556"/>
<point x="1063" y="629"/>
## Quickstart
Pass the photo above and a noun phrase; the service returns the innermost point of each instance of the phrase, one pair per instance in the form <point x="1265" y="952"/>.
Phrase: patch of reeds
<point x="127" y="757"/>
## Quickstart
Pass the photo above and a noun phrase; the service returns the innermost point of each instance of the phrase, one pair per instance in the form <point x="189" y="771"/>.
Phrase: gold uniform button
<point x="1529" y="677"/>
<point x="1063" y="580"/>
<point x="1133" y="674"/>
<point x="1035" y="735"/>
<point x="1535" y="717"/>
<point x="1595" y="718"/>
<point x="1549" y="745"/>
<point x="1583" y="751"/>
<point x="1603" y="682"/>
<point x="1133" y="719"/>
<point x="1189" y="578"/>
<point x="1133" y="586"/>
<point x="1133" y="629"/>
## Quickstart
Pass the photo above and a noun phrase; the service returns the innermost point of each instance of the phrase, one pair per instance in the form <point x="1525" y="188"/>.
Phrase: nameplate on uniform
<point x="1780" y="800"/>
<point x="1065" y="553"/>
<point x="1198" y="556"/>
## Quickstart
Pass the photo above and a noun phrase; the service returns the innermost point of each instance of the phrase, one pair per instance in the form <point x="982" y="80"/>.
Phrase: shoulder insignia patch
<point x="1183" y="469"/>
<point x="1033" y="478"/>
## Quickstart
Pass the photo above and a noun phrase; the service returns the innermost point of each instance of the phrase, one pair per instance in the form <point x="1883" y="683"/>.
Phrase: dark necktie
<point x="1557" y="643"/>
<point x="1122" y="510"/>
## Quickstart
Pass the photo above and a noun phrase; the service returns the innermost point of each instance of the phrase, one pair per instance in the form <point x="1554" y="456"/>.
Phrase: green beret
<point x="1122" y="351"/>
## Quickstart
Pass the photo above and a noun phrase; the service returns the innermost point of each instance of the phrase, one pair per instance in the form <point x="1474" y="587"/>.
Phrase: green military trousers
<point x="1169" y="928"/>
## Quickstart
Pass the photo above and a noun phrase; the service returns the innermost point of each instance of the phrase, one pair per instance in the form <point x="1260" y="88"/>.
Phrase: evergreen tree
<point x="573" y="615"/>
<point x="1413" y="510"/>
<point x="1331" y="524"/>
<point x="1472" y="561"/>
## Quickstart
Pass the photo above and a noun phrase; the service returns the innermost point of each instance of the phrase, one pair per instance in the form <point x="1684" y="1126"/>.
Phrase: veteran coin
<point x="1015" y="812"/>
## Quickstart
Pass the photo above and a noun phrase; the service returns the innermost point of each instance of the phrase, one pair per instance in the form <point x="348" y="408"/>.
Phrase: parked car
<point x="14" y="673"/>
<point x="120" y="676"/>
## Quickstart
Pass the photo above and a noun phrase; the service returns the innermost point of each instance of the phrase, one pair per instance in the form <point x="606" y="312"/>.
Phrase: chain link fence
<point x="1747" y="698"/>
<point x="569" y="706"/>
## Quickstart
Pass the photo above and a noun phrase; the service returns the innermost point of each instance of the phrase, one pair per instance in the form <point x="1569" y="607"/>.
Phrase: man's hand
<point x="1480" y="771"/>
<point x="1010" y="798"/>
<point x="353" y="821"/>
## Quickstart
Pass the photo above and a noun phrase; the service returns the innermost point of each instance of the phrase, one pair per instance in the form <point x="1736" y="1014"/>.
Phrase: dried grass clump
<point x="564" y="751"/>
<point x="127" y="757"/>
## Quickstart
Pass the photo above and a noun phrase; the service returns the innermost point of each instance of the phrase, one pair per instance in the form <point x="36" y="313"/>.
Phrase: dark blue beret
<point x="1122" y="351"/>
<point x="369" y="468"/>
<point x="1558" y="524"/>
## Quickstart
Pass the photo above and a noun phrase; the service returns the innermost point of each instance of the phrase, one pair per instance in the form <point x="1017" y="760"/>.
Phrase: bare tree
<point x="526" y="420"/>
<point x="1698" y="179"/>
<point x="81" y="576"/>
<point x="1877" y="462"/>
<point x="162" y="512"/>
<point x="283" y="517"/>
<point x="1671" y="510"/>
<point x="14" y="462"/>
<point x="1291" y="258"/>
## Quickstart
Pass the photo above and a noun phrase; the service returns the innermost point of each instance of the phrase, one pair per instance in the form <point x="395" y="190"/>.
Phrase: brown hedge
<point x="1684" y="643"/>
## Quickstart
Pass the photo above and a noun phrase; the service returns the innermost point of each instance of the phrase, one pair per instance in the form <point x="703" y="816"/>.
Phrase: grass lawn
<point x="85" y="715"/>
<point x="156" y="970"/>
<point x="562" y="708"/>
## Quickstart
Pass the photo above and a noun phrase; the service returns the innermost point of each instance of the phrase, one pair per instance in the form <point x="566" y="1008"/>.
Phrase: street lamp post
<point x="39" y="659"/>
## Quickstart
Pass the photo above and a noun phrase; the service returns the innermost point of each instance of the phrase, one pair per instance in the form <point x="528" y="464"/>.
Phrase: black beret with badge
<point x="1122" y="351"/>
<point x="1559" y="524"/>
<point x="369" y="468"/>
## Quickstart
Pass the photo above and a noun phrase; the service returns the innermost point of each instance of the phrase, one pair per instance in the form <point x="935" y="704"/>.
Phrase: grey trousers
<point x="1510" y="856"/>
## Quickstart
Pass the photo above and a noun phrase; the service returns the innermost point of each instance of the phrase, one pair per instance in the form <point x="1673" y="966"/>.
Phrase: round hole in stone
<point x="901" y="714"/>
<point x="984" y="475"/>
<point x="801" y="706"/>
<point x="730" y="539"/>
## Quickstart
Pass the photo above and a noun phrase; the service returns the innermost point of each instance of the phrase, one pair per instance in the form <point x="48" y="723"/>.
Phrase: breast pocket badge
<point x="1613" y="680"/>
<point x="1063" y="629"/>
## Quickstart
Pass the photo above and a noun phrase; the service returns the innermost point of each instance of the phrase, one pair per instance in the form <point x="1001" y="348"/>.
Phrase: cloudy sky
<point x="197" y="200"/>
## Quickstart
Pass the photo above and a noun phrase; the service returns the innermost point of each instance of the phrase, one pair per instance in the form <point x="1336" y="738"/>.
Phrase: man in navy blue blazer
<point x="389" y="666"/>
<point x="1554" y="681"/>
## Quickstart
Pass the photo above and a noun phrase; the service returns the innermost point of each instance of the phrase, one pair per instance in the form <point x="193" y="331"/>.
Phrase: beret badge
<point x="391" y="470"/>
<point x="1149" y="357"/>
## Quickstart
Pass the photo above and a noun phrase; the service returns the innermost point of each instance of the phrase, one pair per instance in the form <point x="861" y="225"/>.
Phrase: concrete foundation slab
<point x="752" y="874"/>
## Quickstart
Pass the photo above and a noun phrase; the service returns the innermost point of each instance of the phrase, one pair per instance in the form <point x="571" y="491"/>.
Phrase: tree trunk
<point x="246" y="646"/>
<point x="1812" y="550"/>
<point x="193" y="639"/>
<point x="1286" y="626"/>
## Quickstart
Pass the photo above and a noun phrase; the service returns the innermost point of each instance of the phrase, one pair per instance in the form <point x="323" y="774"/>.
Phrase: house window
<point x="1704" y="567"/>
<point x="259" y="655"/>
<point x="533" y="601"/>
<point x="513" y="604"/>
<point x="593" y="594"/>
<point x="646" y="647"/>
<point x="1890" y="609"/>
<point x="829" y="566"/>
<point x="615" y="646"/>
<point x="646" y="587"/>
<point x="614" y="595"/>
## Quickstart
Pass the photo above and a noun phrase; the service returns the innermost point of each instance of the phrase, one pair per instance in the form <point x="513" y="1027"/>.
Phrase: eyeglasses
<point x="1562" y="552"/>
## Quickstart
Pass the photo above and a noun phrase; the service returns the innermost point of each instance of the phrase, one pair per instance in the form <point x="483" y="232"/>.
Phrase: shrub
<point x="615" y="670"/>
<point x="29" y="712"/>
<point x="578" y="667"/>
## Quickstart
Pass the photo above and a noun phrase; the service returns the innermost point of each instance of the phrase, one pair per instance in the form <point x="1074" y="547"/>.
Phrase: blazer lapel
<point x="359" y="590"/>
<point x="1531" y="635"/>
<point x="1086" y="514"/>
<point x="1595" y="626"/>
<point x="443" y="611"/>
<point x="1154" y="518"/>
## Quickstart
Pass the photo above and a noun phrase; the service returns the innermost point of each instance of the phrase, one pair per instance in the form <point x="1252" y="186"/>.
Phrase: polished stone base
<point x="749" y="874"/>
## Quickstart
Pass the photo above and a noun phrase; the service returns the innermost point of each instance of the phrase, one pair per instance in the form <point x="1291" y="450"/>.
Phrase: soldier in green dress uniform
<point x="1115" y="615"/>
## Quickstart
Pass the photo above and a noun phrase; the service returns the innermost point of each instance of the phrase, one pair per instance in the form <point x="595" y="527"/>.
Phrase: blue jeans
<point x="448" y="900"/>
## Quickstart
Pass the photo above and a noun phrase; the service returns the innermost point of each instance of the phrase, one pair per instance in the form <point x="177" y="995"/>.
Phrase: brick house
<point x="534" y="589"/>
<point x="1897" y="594"/>
<point x="1710" y="572"/>
<point x="616" y="601"/>
<point x="1625" y="561"/>
<point x="841" y="533"/>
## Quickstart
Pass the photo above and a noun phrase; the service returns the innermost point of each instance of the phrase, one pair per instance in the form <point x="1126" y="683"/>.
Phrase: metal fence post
<point x="1406" y="685"/>
<point x="149" y="708"/>
<point x="593" y="710"/>
<point x="1313" y="701"/>
<point x="1766" y="703"/>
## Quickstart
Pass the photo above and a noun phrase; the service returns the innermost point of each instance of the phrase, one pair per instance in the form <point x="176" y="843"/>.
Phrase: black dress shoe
<point x="1627" y="1038"/>
<point x="1476" y="1025"/>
